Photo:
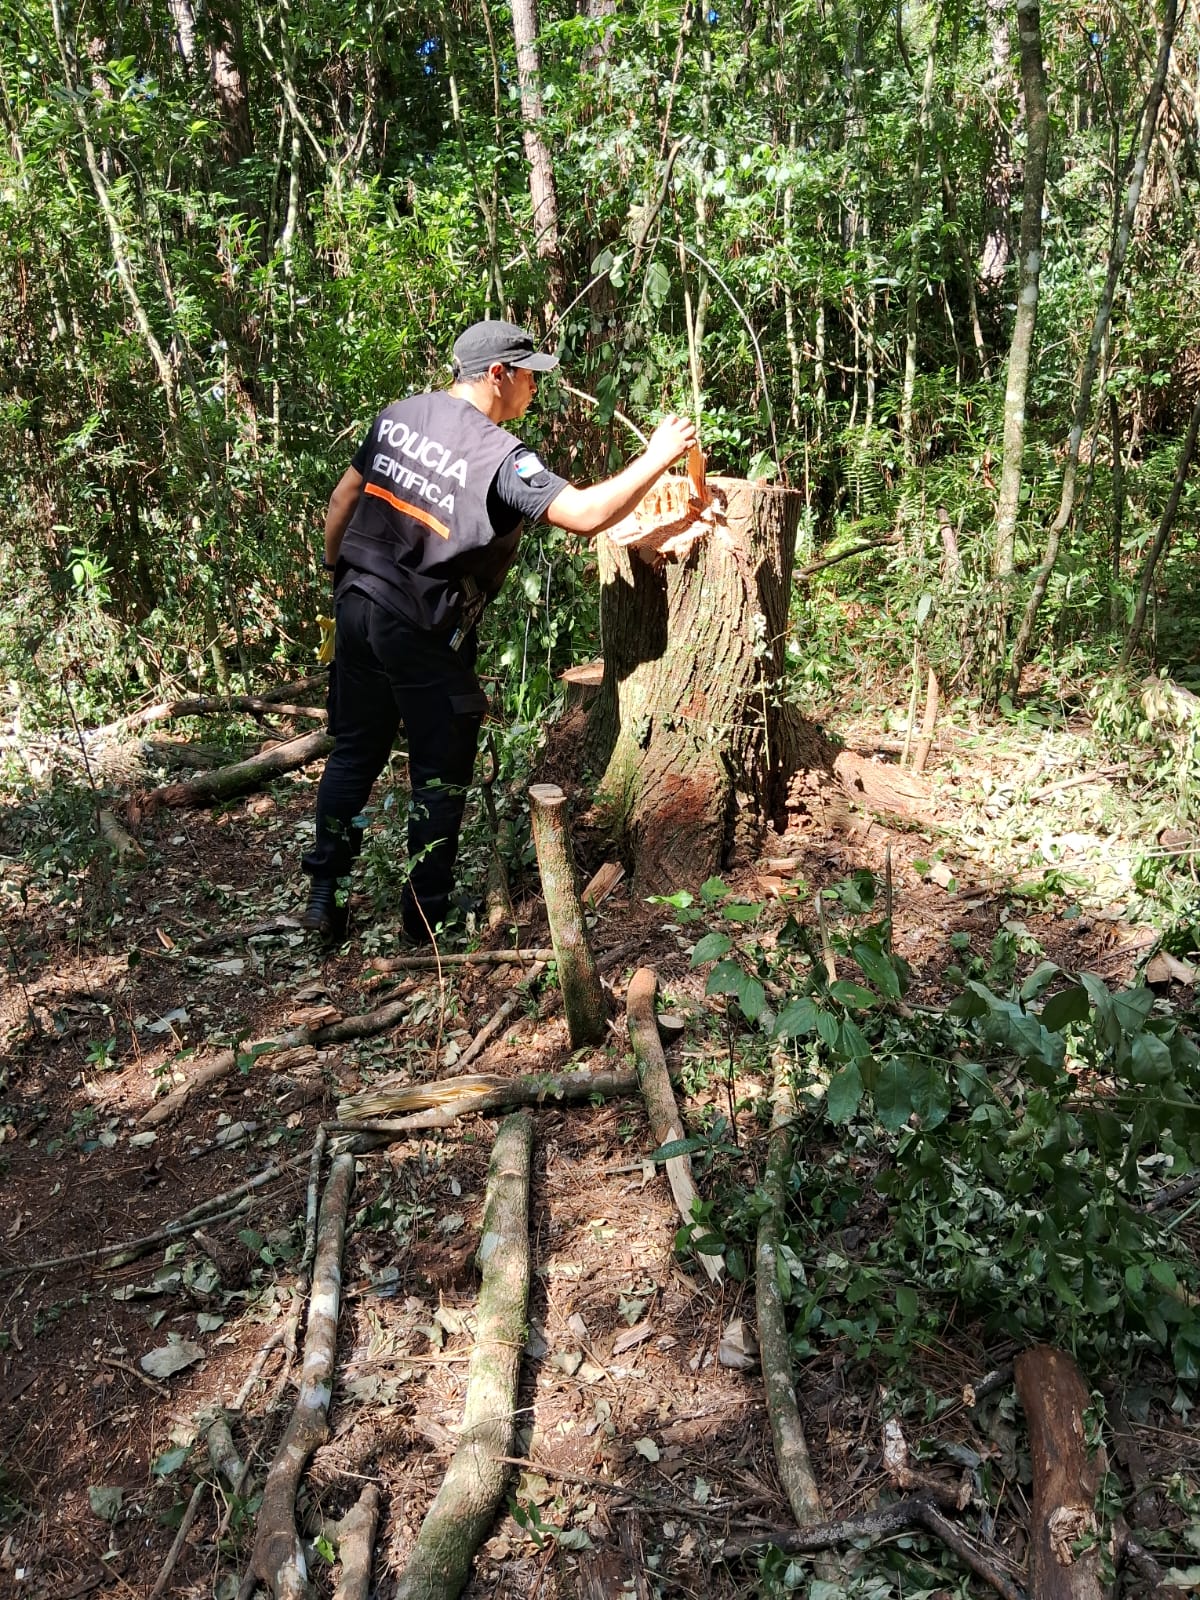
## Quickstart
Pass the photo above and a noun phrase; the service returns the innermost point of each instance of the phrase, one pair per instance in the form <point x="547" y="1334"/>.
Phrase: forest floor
<point x="636" y="1438"/>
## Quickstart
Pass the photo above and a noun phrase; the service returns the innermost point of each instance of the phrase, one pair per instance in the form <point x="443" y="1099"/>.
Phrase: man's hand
<point x="671" y="439"/>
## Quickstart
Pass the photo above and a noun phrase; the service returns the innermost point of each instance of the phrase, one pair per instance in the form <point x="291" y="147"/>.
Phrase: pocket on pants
<point x="473" y="704"/>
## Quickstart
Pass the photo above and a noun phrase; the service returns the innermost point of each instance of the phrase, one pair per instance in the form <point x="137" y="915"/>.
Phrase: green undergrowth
<point x="980" y="1174"/>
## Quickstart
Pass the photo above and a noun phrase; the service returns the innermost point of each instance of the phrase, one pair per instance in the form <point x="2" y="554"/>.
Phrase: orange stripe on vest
<point x="440" y="528"/>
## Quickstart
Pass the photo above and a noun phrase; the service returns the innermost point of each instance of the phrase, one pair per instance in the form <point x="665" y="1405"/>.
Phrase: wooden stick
<point x="278" y="1557"/>
<point x="583" y="995"/>
<point x="826" y="948"/>
<point x="928" y="723"/>
<point x="474" y="1483"/>
<point x="1055" y="1397"/>
<point x="459" y="958"/>
<point x="787" y="1432"/>
<point x="663" y="1114"/>
<point x="500" y="1016"/>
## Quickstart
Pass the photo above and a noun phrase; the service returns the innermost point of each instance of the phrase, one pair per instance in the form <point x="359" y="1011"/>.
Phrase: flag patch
<point x="528" y="466"/>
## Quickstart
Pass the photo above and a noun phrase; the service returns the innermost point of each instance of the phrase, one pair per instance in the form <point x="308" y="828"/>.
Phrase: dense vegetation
<point x="233" y="230"/>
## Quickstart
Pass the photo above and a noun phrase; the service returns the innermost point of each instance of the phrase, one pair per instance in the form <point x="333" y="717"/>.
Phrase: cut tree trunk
<point x="242" y="775"/>
<point x="583" y="994"/>
<point x="1055" y="1397"/>
<point x="687" y="728"/>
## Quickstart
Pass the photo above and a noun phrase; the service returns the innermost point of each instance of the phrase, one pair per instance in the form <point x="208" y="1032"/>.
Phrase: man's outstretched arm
<point x="591" y="510"/>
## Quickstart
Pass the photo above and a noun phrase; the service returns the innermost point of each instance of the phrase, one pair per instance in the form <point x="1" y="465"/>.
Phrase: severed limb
<point x="473" y="1487"/>
<point x="787" y="1432"/>
<point x="278" y="1556"/>
<point x="665" y="1124"/>
<point x="440" y="1104"/>
<point x="211" y="1069"/>
<point x="354" y="1536"/>
<point x="241" y="776"/>
<point x="901" y="1515"/>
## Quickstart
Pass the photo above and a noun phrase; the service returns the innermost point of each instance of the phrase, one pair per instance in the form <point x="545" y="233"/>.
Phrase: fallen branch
<point x="240" y="776"/>
<point x="212" y="1069"/>
<point x="899" y="1517"/>
<point x="278" y="1557"/>
<point x="440" y="1104"/>
<point x="665" y="1124"/>
<point x="787" y="1432"/>
<point x="474" y="1483"/>
<point x="1055" y="1397"/>
<point x="459" y="958"/>
<point x="354" y="1536"/>
<point x="204" y="705"/>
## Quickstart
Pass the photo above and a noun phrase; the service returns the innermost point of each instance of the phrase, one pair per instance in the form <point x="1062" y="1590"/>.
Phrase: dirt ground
<point x="637" y="1441"/>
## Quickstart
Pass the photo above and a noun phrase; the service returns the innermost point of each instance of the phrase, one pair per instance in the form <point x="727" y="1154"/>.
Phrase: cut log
<point x="474" y="1483"/>
<point x="661" y="1110"/>
<point x="694" y="744"/>
<point x="241" y="776"/>
<point x="582" y="992"/>
<point x="1062" y="1518"/>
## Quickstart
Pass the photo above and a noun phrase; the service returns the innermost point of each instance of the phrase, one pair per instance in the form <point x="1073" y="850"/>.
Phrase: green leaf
<point x="879" y="970"/>
<point x="930" y="1092"/>
<point x="712" y="890"/>
<point x="844" y="1095"/>
<point x="829" y="1028"/>
<point x="852" y="994"/>
<point x="658" y="284"/>
<point x="711" y="948"/>
<point x="797" y="1019"/>
<point x="742" y="911"/>
<point x="1150" y="1059"/>
<point x="1070" y="1005"/>
<point x="893" y="1095"/>
<point x="676" y="1147"/>
<point x="1135" y="1278"/>
<point x="728" y="978"/>
<point x="170" y="1461"/>
<point x="1131" y="1008"/>
<point x="1039" y="979"/>
<point x="852" y="1041"/>
<point x="907" y="1302"/>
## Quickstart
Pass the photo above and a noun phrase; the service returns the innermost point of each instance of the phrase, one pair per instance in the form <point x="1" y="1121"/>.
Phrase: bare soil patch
<point x="634" y="1435"/>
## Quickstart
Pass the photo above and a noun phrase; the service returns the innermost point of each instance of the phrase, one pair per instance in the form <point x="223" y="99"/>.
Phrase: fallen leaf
<point x="105" y="1500"/>
<point x="737" y="1349"/>
<point x="171" y="1358"/>
<point x="647" y="1448"/>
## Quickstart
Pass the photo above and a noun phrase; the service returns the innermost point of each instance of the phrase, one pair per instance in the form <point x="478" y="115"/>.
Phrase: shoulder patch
<point x="527" y="465"/>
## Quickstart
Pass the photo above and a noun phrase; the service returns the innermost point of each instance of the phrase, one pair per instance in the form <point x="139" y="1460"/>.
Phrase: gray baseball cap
<point x="485" y="342"/>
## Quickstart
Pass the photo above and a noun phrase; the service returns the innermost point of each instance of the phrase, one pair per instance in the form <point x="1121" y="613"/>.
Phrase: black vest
<point x="422" y="522"/>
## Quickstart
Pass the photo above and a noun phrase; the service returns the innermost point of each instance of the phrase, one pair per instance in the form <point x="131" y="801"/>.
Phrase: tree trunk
<point x="1037" y="134"/>
<point x="1166" y="522"/>
<point x="537" y="152"/>
<point x="692" y="742"/>
<point x="583" y="993"/>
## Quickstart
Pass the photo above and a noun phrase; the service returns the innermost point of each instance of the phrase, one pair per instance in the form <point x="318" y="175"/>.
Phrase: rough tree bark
<point x="583" y="994"/>
<point x="537" y="152"/>
<point x="1054" y="1398"/>
<point x="693" y="744"/>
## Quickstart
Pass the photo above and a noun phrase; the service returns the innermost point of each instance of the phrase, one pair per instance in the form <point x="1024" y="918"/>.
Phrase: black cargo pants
<point x="387" y="674"/>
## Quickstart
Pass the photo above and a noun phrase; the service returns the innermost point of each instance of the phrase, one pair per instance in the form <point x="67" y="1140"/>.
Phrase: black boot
<point x="328" y="909"/>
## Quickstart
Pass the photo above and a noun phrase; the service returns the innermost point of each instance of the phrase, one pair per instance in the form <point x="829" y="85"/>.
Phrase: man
<point x="420" y="531"/>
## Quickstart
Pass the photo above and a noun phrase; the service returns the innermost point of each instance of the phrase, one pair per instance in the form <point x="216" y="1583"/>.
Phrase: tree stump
<point x="695" y="746"/>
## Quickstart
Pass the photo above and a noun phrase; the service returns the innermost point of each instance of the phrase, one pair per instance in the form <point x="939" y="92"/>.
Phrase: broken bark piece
<point x="473" y="1487"/>
<point x="602" y="883"/>
<point x="1064" y="1553"/>
<point x="278" y="1556"/>
<point x="582" y="992"/>
<point x="663" y="1113"/>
